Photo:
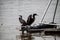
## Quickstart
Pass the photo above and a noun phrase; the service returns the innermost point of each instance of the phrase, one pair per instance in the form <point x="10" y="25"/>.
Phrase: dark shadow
<point x="24" y="37"/>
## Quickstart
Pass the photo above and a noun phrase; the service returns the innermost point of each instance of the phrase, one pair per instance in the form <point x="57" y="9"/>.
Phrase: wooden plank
<point x="52" y="32"/>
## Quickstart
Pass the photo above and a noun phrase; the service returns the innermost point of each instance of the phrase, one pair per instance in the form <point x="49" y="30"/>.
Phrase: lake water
<point x="11" y="33"/>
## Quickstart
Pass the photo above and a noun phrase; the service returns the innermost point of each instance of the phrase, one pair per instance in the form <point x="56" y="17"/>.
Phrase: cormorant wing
<point x="29" y="19"/>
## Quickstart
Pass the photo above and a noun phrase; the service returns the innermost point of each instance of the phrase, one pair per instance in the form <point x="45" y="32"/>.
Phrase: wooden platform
<point x="52" y="33"/>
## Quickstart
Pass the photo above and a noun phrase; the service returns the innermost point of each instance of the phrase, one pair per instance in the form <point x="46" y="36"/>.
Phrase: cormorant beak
<point x="20" y="16"/>
<point x="36" y="15"/>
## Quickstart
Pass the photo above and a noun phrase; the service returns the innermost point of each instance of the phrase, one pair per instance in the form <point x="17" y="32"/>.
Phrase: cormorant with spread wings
<point x="31" y="19"/>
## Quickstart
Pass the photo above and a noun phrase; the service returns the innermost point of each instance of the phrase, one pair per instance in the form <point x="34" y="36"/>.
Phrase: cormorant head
<point x="20" y="16"/>
<point x="34" y="14"/>
<point x="30" y="15"/>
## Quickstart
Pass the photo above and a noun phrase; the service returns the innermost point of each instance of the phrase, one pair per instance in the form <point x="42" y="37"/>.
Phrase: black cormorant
<point x="23" y="22"/>
<point x="31" y="19"/>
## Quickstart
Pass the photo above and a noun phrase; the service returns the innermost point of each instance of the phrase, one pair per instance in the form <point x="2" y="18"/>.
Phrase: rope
<point x="55" y="11"/>
<point x="46" y="11"/>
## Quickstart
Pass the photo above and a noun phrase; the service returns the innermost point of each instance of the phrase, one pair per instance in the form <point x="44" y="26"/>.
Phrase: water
<point x="11" y="33"/>
<point x="34" y="37"/>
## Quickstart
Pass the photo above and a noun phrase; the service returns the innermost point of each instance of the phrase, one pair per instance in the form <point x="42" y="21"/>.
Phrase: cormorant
<point x="22" y="21"/>
<point x="31" y="19"/>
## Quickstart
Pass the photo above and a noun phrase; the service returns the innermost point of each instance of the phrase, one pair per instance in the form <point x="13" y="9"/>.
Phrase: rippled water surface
<point x="11" y="33"/>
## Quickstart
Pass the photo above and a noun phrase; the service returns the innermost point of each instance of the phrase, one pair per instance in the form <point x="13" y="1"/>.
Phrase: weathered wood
<point x="52" y="33"/>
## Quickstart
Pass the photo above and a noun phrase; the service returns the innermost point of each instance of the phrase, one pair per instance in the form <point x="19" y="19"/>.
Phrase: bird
<point x="22" y="21"/>
<point x="31" y="19"/>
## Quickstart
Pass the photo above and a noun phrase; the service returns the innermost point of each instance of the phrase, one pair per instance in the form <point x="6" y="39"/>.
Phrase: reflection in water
<point x="24" y="37"/>
<point x="35" y="36"/>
